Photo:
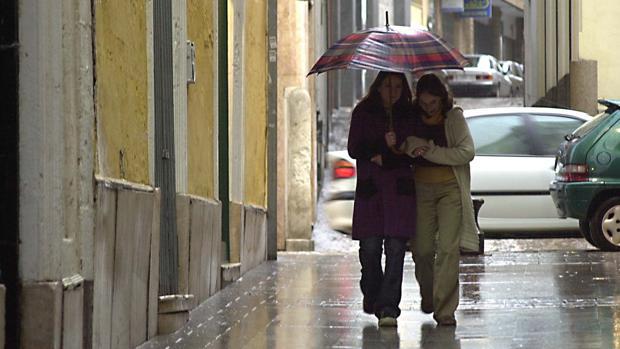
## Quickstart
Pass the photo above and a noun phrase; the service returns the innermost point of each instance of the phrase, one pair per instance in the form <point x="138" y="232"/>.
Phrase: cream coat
<point x="458" y="154"/>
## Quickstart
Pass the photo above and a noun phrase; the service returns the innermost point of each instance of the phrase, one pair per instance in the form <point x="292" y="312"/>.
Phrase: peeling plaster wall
<point x="202" y="96"/>
<point x="122" y="90"/>
<point x="255" y="95"/>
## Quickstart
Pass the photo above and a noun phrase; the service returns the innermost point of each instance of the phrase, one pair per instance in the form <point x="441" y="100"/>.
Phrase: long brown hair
<point x="374" y="97"/>
<point x="432" y="84"/>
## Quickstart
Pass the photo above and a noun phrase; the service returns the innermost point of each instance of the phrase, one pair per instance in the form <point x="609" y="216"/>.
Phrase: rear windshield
<point x="473" y="60"/>
<point x="590" y="124"/>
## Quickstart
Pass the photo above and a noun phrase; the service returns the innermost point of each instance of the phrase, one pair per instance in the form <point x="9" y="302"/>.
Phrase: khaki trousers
<point x="436" y="246"/>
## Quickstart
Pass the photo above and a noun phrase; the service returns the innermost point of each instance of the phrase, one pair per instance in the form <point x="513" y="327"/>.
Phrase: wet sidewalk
<point x="508" y="300"/>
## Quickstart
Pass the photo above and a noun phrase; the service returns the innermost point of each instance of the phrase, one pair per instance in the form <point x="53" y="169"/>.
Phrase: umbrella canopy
<point x="390" y="48"/>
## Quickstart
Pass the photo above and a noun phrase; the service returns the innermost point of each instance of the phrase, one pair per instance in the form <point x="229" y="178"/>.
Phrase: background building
<point x="569" y="61"/>
<point x="139" y="164"/>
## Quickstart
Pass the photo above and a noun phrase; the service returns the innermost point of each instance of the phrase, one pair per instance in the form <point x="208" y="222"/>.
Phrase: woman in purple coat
<point x="385" y="192"/>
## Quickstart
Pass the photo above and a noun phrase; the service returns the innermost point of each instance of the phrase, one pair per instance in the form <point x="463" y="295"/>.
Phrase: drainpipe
<point x="222" y="87"/>
<point x="272" y="131"/>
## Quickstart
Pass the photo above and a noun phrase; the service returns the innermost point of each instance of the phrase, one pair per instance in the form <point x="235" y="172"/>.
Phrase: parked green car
<point x="587" y="178"/>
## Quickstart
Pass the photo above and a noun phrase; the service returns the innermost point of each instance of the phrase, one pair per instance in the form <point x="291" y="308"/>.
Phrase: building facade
<point x="140" y="163"/>
<point x="569" y="62"/>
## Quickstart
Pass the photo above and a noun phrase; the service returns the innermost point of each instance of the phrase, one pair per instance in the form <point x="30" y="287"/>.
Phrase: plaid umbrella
<point x="390" y="48"/>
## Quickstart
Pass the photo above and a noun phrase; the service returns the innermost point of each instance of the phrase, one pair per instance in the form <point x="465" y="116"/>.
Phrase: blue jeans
<point x="382" y="290"/>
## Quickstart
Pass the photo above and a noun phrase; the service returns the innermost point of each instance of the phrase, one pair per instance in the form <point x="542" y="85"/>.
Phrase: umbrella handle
<point x="391" y="129"/>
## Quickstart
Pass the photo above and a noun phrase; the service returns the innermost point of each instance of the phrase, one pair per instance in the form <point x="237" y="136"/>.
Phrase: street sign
<point x="477" y="8"/>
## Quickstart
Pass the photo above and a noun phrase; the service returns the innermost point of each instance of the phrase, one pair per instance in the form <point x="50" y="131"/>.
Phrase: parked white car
<point x="484" y="76"/>
<point x="340" y="191"/>
<point x="514" y="72"/>
<point x="514" y="164"/>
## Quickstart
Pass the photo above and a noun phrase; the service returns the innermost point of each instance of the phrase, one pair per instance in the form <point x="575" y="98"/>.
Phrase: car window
<point x="511" y="69"/>
<point x="494" y="64"/>
<point x="550" y="131"/>
<point x="586" y="127"/>
<point x="508" y="68"/>
<point x="499" y="135"/>
<point x="518" y="70"/>
<point x="473" y="60"/>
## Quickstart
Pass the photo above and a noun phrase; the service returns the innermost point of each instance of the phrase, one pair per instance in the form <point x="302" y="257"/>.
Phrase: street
<point x="521" y="293"/>
<point x="560" y="299"/>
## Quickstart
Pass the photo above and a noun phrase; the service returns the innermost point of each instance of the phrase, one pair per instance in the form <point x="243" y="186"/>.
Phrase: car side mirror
<point x="569" y="137"/>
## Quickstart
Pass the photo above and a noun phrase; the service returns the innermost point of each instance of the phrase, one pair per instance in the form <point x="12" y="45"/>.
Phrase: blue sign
<point x="477" y="8"/>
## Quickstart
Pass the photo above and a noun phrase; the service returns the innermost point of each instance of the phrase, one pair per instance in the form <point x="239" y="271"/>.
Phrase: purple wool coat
<point x="385" y="195"/>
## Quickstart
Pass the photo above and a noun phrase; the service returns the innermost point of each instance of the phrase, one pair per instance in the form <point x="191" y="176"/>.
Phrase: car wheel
<point x="584" y="228"/>
<point x="604" y="223"/>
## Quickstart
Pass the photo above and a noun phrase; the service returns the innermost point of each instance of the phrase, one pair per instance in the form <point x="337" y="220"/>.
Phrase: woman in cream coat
<point x="443" y="149"/>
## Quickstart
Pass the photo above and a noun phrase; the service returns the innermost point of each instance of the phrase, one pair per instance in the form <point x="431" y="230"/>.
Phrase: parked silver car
<point x="514" y="164"/>
<point x="484" y="76"/>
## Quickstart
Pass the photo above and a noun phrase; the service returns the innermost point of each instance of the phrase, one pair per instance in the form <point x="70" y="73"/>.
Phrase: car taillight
<point x="343" y="169"/>
<point x="484" y="77"/>
<point x="573" y="173"/>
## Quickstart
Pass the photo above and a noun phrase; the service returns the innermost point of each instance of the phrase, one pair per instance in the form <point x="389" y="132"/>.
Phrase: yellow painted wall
<point x="255" y="97"/>
<point x="598" y="40"/>
<point x="201" y="98"/>
<point x="416" y="15"/>
<point x="419" y="13"/>
<point x="121" y="89"/>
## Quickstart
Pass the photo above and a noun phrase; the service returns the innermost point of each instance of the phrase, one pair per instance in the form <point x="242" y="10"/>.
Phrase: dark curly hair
<point x="432" y="84"/>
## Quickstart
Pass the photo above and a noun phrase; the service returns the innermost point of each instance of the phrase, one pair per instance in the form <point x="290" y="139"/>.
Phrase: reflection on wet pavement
<point x="539" y="244"/>
<point x="568" y="299"/>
